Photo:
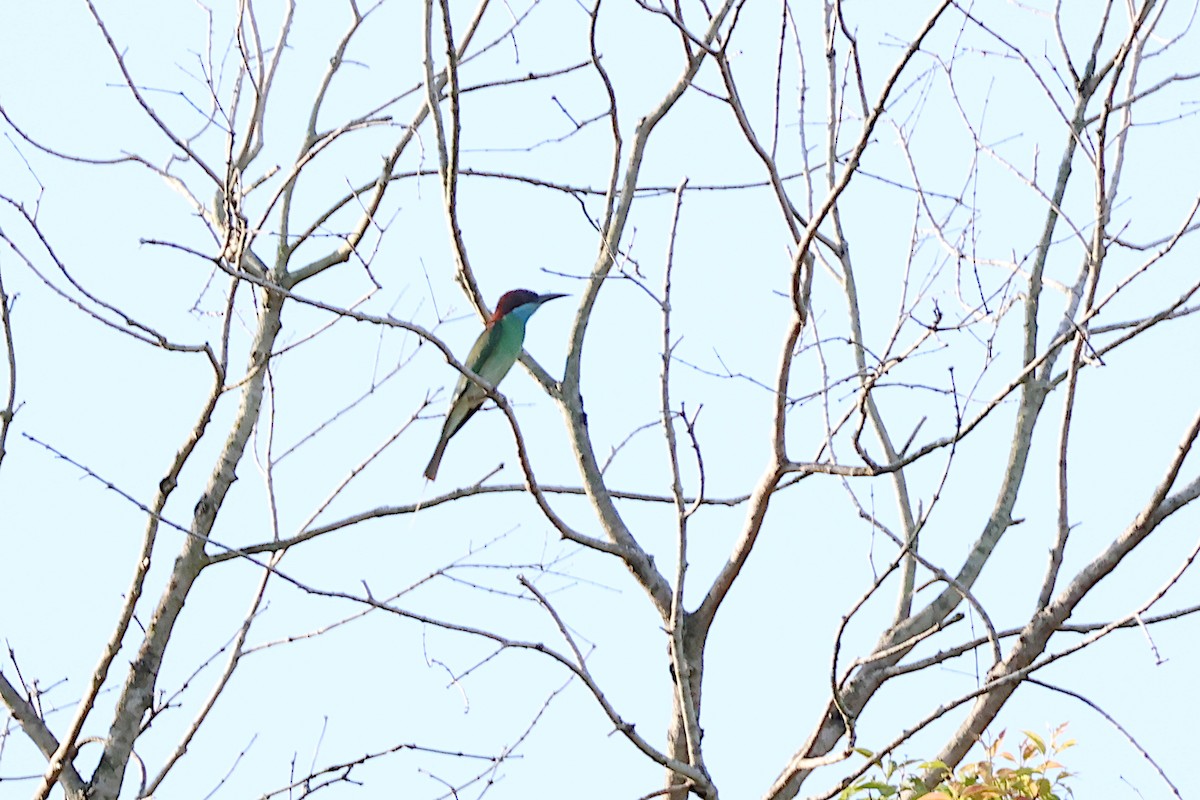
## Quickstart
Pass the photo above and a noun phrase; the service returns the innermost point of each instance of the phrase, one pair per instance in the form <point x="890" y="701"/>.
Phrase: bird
<point x="492" y="356"/>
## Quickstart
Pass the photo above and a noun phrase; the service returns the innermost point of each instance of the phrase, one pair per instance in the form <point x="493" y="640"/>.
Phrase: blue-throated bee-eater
<point x="493" y="355"/>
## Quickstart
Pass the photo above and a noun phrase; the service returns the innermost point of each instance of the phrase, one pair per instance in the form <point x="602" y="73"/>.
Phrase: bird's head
<point x="521" y="302"/>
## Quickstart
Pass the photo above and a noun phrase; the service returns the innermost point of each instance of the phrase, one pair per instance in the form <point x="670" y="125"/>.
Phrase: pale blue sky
<point x="122" y="408"/>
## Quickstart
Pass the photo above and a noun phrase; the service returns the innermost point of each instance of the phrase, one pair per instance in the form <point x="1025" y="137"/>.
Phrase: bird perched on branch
<point x="493" y="355"/>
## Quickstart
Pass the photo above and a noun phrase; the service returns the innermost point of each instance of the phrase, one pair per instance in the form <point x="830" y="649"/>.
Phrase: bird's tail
<point x="435" y="461"/>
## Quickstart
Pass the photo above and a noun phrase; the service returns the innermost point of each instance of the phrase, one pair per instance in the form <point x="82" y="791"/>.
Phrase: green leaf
<point x="885" y="789"/>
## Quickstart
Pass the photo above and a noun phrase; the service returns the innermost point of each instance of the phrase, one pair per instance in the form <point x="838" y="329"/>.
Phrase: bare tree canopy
<point x="869" y="417"/>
